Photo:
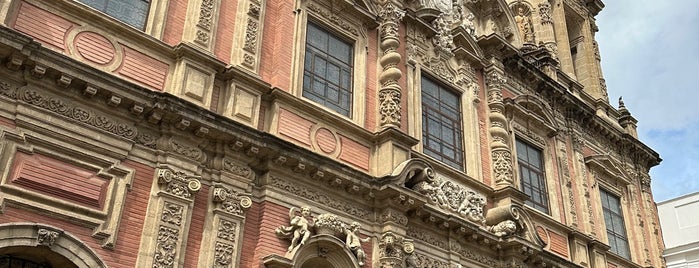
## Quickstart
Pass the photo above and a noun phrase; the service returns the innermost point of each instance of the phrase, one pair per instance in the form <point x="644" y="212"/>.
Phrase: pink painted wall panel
<point x="354" y="153"/>
<point x="295" y="127"/>
<point x="559" y="244"/>
<point x="143" y="69"/>
<point x="94" y="47"/>
<point x="57" y="178"/>
<point x="47" y="28"/>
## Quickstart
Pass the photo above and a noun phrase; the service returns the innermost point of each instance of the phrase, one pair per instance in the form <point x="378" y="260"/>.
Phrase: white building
<point x="679" y="220"/>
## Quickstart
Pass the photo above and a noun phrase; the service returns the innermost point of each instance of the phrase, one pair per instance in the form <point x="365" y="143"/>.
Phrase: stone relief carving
<point x="321" y="198"/>
<point x="302" y="224"/>
<point x="230" y="200"/>
<point x="545" y="12"/>
<point x="64" y="108"/>
<point x="390" y="91"/>
<point x="227" y="230"/>
<point x="524" y="23"/>
<point x="426" y="236"/>
<point x="178" y="183"/>
<point x="500" y="151"/>
<point x="46" y="237"/>
<point x="183" y="149"/>
<point x="502" y="167"/>
<point x="223" y="255"/>
<point x="428" y="262"/>
<point x="205" y="22"/>
<point x="396" y="251"/>
<point x="250" y="44"/>
<point x="333" y="18"/>
<point x="504" y="228"/>
<point x="166" y="247"/>
<point x="172" y="213"/>
<point x="443" y="40"/>
<point x="454" y="197"/>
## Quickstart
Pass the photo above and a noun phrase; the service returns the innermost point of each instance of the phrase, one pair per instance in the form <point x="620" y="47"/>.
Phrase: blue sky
<point x="650" y="56"/>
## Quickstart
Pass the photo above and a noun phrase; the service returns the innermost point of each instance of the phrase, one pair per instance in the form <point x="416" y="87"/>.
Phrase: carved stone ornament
<point x="178" y="183"/>
<point x="504" y="228"/>
<point x="166" y="247"/>
<point x="303" y="225"/>
<point x="390" y="92"/>
<point x="172" y="214"/>
<point x="223" y="255"/>
<point x="396" y="251"/>
<point x="502" y="168"/>
<point x="454" y="197"/>
<point x="443" y="40"/>
<point x="545" y="12"/>
<point x="231" y="201"/>
<point x="524" y="22"/>
<point x="46" y="237"/>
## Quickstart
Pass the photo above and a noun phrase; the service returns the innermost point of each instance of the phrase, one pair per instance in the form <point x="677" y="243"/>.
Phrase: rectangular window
<point x="614" y="220"/>
<point x="442" y="136"/>
<point x="327" y="70"/>
<point x="531" y="176"/>
<point x="131" y="12"/>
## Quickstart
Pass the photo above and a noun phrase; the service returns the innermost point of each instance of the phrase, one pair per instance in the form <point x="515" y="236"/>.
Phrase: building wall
<point x="680" y="230"/>
<point x="188" y="142"/>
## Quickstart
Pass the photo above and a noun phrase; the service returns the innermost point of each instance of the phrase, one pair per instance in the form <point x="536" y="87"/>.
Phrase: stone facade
<point x="190" y="142"/>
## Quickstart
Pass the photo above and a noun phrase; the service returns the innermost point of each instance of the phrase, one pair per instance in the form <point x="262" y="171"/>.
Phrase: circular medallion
<point x="326" y="140"/>
<point x="94" y="47"/>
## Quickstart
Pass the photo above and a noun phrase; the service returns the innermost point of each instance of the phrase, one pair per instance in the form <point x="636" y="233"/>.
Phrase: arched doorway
<point x="43" y="246"/>
<point x="32" y="257"/>
<point x="324" y="251"/>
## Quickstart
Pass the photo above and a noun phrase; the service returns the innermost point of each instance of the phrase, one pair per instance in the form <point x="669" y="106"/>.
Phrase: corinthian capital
<point x="389" y="17"/>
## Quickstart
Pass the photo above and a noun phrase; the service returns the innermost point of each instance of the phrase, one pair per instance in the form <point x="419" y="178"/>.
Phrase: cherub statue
<point x="298" y="229"/>
<point x="354" y="243"/>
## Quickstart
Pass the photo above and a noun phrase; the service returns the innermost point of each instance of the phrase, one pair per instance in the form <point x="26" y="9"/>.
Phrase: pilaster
<point x="167" y="222"/>
<point x="248" y="29"/>
<point x="390" y="93"/>
<point x="200" y="24"/>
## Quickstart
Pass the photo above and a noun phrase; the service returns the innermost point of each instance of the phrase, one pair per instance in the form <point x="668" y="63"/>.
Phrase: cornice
<point x="579" y="111"/>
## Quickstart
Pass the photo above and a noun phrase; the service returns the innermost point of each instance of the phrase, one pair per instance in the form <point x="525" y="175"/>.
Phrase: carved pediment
<point x="535" y="110"/>
<point x="608" y="166"/>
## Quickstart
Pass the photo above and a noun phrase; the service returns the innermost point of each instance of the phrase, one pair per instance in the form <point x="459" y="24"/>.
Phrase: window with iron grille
<point x="614" y="221"/>
<point x="327" y="70"/>
<point x="442" y="134"/>
<point x="531" y="175"/>
<point x="131" y="12"/>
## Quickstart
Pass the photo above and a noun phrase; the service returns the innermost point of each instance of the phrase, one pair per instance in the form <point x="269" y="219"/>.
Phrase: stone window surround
<point x="469" y="119"/>
<point x="460" y="119"/>
<point x="612" y="193"/>
<point x="344" y="26"/>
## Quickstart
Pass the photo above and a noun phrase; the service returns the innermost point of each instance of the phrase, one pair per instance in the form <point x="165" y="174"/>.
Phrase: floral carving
<point x="545" y="12"/>
<point x="251" y="36"/>
<point x="502" y="167"/>
<point x="254" y="10"/>
<point x="206" y="14"/>
<point x="426" y="261"/>
<point x="236" y="169"/>
<point x="223" y="255"/>
<point x="178" y="183"/>
<point x="329" y="224"/>
<point x="495" y="81"/>
<point x="449" y="195"/>
<point x="202" y="37"/>
<point x="443" y="40"/>
<point x="166" y="247"/>
<point x="64" y="108"/>
<point x="389" y="17"/>
<point x="186" y="151"/>
<point x="172" y="213"/>
<point x="227" y="230"/>
<point x="321" y="198"/>
<point x="46" y="237"/>
<point x="231" y="201"/>
<point x="389" y="106"/>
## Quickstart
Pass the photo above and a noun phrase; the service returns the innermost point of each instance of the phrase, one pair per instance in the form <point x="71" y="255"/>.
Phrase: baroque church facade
<point x="316" y="133"/>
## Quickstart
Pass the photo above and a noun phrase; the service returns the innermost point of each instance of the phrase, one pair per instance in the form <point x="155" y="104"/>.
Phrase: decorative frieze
<point x="321" y="198"/>
<point x="172" y="214"/>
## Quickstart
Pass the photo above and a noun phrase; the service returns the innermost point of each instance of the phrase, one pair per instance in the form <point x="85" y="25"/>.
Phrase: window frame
<point x="458" y="122"/>
<point x="328" y="57"/>
<point x="544" y="205"/>
<point x="614" y="238"/>
<point x="344" y="26"/>
<point x="155" y="17"/>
